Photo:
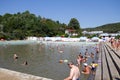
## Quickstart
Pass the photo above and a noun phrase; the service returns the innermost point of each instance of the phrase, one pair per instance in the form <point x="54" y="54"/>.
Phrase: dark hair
<point x="70" y="63"/>
<point x="81" y="56"/>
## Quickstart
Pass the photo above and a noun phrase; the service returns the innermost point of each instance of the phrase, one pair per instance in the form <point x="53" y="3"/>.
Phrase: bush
<point x="117" y="37"/>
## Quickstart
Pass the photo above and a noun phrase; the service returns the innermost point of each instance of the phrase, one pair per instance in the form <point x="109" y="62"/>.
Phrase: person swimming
<point x="92" y="55"/>
<point x="25" y="63"/>
<point x="86" y="69"/>
<point x="85" y="59"/>
<point x="15" y="57"/>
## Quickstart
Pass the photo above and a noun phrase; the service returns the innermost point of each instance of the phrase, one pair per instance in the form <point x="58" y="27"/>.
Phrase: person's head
<point x="80" y="53"/>
<point x="91" y="53"/>
<point x="85" y="58"/>
<point x="70" y="64"/>
<point x="81" y="56"/>
<point x="25" y="63"/>
<point x="86" y="49"/>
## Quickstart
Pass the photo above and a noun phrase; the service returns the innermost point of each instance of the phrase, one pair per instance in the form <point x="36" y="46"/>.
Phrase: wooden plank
<point x="116" y="61"/>
<point x="108" y="44"/>
<point x="106" y="75"/>
<point x="113" y="71"/>
<point x="107" y="70"/>
<point x="115" y="58"/>
<point x="98" y="75"/>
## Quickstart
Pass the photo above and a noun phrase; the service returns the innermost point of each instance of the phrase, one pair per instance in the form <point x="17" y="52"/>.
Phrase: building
<point x="71" y="32"/>
<point x="92" y="32"/>
<point x="109" y="34"/>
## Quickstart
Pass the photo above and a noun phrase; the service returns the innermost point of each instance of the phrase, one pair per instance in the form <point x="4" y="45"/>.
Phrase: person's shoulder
<point x="76" y="67"/>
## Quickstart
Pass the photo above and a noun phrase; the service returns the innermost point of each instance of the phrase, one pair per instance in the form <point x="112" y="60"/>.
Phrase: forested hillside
<point x="21" y="25"/>
<point x="109" y="28"/>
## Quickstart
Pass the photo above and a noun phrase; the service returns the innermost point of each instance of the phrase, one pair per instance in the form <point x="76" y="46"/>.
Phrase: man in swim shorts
<point x="74" y="72"/>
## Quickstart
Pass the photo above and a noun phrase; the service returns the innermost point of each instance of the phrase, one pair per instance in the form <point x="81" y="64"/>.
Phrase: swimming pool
<point x="43" y="57"/>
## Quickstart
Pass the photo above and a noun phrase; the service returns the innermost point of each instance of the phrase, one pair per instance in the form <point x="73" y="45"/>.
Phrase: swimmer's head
<point x="85" y="64"/>
<point x="70" y="64"/>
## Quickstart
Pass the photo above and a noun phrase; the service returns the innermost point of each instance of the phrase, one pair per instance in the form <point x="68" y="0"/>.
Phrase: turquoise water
<point x="43" y="57"/>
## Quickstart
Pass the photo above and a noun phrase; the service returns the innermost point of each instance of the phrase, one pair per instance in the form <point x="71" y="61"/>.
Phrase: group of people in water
<point x="75" y="71"/>
<point x="87" y="69"/>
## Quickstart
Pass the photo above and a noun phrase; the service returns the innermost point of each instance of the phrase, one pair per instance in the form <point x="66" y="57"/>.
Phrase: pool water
<point x="43" y="57"/>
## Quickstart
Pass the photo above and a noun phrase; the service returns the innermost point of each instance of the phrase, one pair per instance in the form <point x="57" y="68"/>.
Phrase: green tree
<point x="22" y="25"/>
<point x="0" y="19"/>
<point x="117" y="37"/>
<point x="74" y="24"/>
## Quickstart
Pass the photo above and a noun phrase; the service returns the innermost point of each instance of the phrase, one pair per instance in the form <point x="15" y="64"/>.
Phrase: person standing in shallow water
<point x="93" y="67"/>
<point x="74" y="72"/>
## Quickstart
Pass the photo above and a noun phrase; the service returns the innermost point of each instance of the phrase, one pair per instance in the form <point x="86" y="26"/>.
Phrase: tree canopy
<point x="74" y="24"/>
<point x="21" y="25"/>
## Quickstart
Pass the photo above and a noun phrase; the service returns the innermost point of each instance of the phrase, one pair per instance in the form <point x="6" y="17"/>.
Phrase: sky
<point x="89" y="13"/>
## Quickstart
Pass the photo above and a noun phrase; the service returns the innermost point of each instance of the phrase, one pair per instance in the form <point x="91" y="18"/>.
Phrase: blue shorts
<point x="78" y="79"/>
<point x="93" y="69"/>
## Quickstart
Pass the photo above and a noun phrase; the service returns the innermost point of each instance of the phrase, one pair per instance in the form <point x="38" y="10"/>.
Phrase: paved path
<point x="6" y="74"/>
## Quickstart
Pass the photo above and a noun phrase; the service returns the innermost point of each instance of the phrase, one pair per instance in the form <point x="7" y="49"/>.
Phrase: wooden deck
<point x="108" y="63"/>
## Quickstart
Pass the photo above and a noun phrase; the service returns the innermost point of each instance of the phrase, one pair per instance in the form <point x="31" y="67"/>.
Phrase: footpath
<point x="6" y="74"/>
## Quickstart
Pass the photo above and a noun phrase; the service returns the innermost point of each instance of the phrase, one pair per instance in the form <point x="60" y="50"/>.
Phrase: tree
<point x="0" y="18"/>
<point x="74" y="24"/>
<point x="117" y="37"/>
<point x="22" y="25"/>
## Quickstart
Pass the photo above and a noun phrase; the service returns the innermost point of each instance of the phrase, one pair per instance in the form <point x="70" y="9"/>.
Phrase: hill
<point x="109" y="28"/>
